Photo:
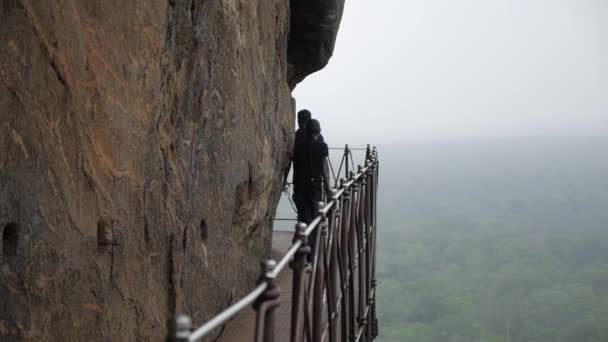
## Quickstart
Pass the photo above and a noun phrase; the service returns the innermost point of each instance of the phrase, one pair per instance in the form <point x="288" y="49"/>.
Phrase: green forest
<point x="494" y="241"/>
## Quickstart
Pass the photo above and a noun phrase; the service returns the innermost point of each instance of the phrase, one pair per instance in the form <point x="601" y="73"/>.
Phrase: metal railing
<point x="333" y="297"/>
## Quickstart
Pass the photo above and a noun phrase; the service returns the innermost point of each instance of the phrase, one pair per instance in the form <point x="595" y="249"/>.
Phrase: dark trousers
<point x="307" y="211"/>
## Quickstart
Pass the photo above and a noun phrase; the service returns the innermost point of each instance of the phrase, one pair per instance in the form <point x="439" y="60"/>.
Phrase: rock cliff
<point x="312" y="36"/>
<point x="141" y="150"/>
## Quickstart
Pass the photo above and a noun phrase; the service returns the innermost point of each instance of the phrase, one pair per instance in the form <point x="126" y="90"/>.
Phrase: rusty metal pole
<point x="267" y="303"/>
<point x="346" y="153"/>
<point x="299" y="265"/>
<point x="318" y="294"/>
<point x="315" y="255"/>
<point x="374" y="242"/>
<point x="353" y="255"/>
<point x="334" y="272"/>
<point x="341" y="280"/>
<point x="362" y="251"/>
<point x="344" y="254"/>
<point x="368" y="247"/>
<point x="180" y="329"/>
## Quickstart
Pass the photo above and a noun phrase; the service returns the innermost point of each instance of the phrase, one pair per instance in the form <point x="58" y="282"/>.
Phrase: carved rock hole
<point x="204" y="231"/>
<point x="192" y="10"/>
<point x="104" y="233"/>
<point x="10" y="240"/>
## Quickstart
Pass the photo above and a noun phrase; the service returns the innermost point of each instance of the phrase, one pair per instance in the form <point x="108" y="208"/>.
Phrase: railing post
<point x="298" y="265"/>
<point x="319" y="277"/>
<point x="333" y="277"/>
<point x="374" y="241"/>
<point x="266" y="304"/>
<point x="361" y="246"/>
<point x="353" y="255"/>
<point x="343" y="259"/>
<point x="180" y="329"/>
<point x="368" y="246"/>
<point x="346" y="153"/>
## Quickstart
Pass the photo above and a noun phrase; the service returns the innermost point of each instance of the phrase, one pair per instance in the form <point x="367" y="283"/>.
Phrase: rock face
<point x="313" y="31"/>
<point x="141" y="150"/>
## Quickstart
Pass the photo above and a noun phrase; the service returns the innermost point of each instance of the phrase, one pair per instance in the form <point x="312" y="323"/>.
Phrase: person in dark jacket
<point x="301" y="135"/>
<point x="310" y="174"/>
<point x="303" y="117"/>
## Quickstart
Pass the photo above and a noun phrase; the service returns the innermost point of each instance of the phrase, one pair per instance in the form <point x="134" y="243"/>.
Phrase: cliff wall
<point x="141" y="150"/>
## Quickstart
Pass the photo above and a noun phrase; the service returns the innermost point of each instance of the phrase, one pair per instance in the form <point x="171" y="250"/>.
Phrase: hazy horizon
<point x="447" y="70"/>
<point x="501" y="241"/>
<point x="492" y="120"/>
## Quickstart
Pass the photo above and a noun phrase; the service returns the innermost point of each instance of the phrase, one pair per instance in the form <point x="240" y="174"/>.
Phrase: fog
<point x="420" y="70"/>
<point x="492" y="122"/>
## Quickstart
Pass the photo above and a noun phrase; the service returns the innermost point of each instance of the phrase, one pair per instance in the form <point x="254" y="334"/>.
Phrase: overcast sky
<point x="408" y="70"/>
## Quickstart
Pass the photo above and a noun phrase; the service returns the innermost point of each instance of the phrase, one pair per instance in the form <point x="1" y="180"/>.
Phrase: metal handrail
<point x="360" y="213"/>
<point x="350" y="148"/>
<point x="227" y="314"/>
<point x="286" y="258"/>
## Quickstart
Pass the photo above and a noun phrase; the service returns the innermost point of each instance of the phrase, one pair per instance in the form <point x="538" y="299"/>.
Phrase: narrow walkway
<point x="242" y="327"/>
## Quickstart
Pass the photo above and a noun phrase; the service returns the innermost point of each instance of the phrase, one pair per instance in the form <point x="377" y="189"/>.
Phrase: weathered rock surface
<point x="141" y="150"/>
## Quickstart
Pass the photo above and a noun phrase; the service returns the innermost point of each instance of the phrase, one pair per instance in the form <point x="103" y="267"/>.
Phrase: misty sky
<point x="408" y="70"/>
